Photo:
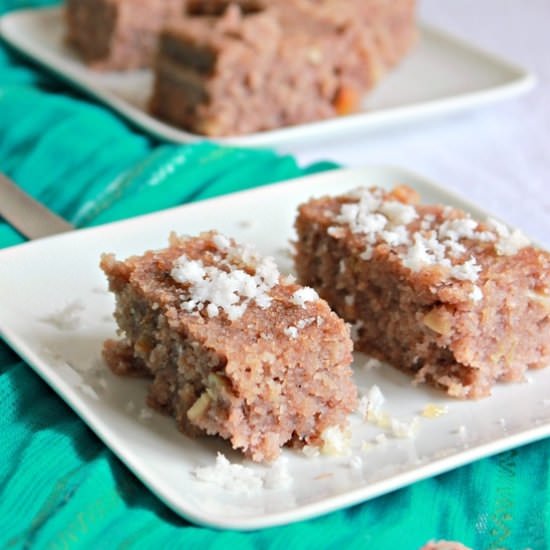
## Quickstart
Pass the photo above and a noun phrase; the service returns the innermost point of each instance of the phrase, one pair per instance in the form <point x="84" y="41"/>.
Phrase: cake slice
<point x="118" y="34"/>
<point x="233" y="348"/>
<point x="457" y="303"/>
<point x="230" y="68"/>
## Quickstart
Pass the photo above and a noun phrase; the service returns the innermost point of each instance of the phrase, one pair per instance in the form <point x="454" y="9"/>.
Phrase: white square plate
<point x="42" y="277"/>
<point x="441" y="75"/>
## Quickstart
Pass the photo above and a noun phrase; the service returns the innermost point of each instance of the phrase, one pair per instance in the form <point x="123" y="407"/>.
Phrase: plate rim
<point x="306" y="511"/>
<point x="521" y="81"/>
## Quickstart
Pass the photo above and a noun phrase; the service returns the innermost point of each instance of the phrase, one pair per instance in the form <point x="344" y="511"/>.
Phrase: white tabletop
<point x="498" y="155"/>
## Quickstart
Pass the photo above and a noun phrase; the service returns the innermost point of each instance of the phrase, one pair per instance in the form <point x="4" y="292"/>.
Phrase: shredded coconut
<point x="509" y="242"/>
<point x="303" y="323"/>
<point x="67" y="318"/>
<point x="242" y="479"/>
<point x="372" y="363"/>
<point x="304" y="295"/>
<point x="335" y="441"/>
<point x="375" y="400"/>
<point x="278" y="476"/>
<point x="362" y="406"/>
<point x="468" y="271"/>
<point x="387" y="221"/>
<point x="476" y="295"/>
<point x="224" y="286"/>
<point x="233" y="477"/>
<point x="404" y="429"/>
<point x="145" y="414"/>
<point x="366" y="446"/>
<point x="354" y="330"/>
<point x="291" y="332"/>
<point x="310" y="451"/>
<point x="288" y="279"/>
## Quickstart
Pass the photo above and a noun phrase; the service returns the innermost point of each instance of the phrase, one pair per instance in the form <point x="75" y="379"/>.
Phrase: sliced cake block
<point x="457" y="303"/>
<point x="118" y="34"/>
<point x="234" y="349"/>
<point x="229" y="68"/>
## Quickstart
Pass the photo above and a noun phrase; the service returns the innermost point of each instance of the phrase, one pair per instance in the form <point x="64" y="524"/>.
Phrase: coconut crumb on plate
<point x="67" y="318"/>
<point x="432" y="410"/>
<point x="243" y="479"/>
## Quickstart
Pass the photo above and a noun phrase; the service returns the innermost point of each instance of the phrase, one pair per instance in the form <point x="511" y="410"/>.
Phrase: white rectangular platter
<point x="40" y="278"/>
<point x="442" y="74"/>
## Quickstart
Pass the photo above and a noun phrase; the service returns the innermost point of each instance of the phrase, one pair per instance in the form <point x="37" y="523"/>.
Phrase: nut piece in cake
<point x="234" y="349"/>
<point x="457" y="303"/>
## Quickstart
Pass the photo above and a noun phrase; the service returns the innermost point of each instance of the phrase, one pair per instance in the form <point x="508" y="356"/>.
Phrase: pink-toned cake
<point x="233" y="348"/>
<point x="118" y="34"/>
<point x="457" y="303"/>
<point x="252" y="65"/>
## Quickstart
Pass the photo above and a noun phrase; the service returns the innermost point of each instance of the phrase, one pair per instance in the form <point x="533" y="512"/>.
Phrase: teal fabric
<point x="60" y="487"/>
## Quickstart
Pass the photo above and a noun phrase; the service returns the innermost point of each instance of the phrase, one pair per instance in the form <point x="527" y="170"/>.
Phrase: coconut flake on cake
<point x="225" y="287"/>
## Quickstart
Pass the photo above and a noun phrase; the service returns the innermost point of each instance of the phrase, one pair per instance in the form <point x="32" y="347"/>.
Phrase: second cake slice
<point x="458" y="303"/>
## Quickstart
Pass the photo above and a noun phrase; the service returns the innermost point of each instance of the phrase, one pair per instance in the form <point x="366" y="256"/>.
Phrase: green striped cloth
<point x="60" y="487"/>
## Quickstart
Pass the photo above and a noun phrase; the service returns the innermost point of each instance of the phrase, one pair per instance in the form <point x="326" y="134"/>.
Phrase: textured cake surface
<point x="118" y="34"/>
<point x="457" y="303"/>
<point x="245" y="66"/>
<point x="233" y="348"/>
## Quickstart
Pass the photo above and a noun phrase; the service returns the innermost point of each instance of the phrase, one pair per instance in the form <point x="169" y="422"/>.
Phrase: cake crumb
<point x="431" y="410"/>
<point x="381" y="439"/>
<point x="323" y="476"/>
